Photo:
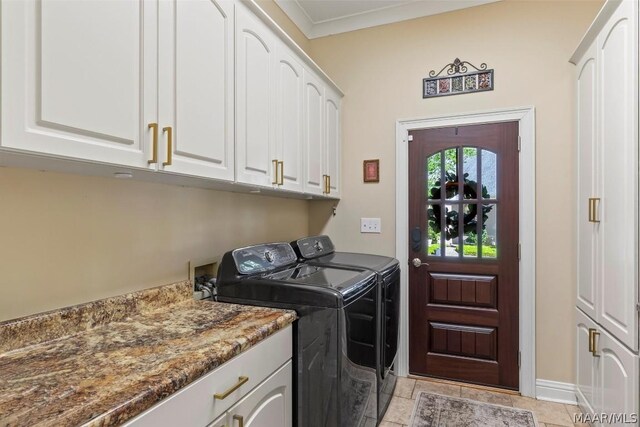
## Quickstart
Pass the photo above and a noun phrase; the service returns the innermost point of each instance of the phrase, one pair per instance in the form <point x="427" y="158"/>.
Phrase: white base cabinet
<point x="259" y="392"/>
<point x="607" y="372"/>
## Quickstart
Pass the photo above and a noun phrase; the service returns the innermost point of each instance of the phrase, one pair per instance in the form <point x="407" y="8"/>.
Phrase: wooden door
<point x="332" y="137"/>
<point x="587" y="191"/>
<point x="464" y="233"/>
<point x="196" y="87"/>
<point x="79" y="79"/>
<point x="618" y="206"/>
<point x="255" y="112"/>
<point x="314" y="143"/>
<point x="289" y="119"/>
<point x="268" y="405"/>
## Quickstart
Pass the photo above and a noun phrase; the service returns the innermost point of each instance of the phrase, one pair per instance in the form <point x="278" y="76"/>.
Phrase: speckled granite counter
<point x="104" y="362"/>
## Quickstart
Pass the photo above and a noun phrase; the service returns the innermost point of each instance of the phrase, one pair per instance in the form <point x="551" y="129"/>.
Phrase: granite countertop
<point x="105" y="362"/>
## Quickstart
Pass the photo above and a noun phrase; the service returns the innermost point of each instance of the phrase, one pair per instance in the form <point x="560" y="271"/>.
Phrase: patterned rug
<point x="434" y="410"/>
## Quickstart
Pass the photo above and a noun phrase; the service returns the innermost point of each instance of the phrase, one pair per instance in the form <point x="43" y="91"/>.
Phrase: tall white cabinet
<point x="607" y="211"/>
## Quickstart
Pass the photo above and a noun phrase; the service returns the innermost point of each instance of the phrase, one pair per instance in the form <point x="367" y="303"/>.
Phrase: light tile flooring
<point x="548" y="414"/>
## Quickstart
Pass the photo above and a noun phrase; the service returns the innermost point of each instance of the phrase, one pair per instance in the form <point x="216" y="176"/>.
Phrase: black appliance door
<point x="391" y="319"/>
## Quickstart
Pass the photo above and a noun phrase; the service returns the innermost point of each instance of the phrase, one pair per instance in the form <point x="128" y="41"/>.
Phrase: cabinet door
<point x="617" y="377"/>
<point x="585" y="366"/>
<point x="332" y="135"/>
<point x="587" y="155"/>
<point x="289" y="118"/>
<point x="618" y="94"/>
<point x="79" y="79"/>
<point x="196" y="87"/>
<point x="314" y="142"/>
<point x="268" y="405"/>
<point x="254" y="100"/>
<point x="220" y="422"/>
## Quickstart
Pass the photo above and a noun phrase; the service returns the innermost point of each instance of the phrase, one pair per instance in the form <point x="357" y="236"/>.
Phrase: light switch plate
<point x="370" y="225"/>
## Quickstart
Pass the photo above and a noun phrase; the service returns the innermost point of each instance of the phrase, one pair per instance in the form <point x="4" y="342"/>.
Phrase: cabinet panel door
<point x="289" y="118"/>
<point x="618" y="94"/>
<point x="268" y="405"/>
<point x="587" y="155"/>
<point x="220" y="422"/>
<point x="586" y="375"/>
<point x="196" y="87"/>
<point x="314" y="142"/>
<point x="79" y="78"/>
<point x="618" y="377"/>
<point x="254" y="100"/>
<point x="332" y="135"/>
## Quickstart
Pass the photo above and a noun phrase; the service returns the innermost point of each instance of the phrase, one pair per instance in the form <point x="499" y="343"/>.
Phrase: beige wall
<point x="68" y="239"/>
<point x="381" y="69"/>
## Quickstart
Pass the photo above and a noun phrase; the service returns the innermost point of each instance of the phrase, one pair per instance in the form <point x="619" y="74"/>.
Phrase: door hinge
<point x="519" y="359"/>
<point x="519" y="143"/>
<point x="409" y="138"/>
<point x="519" y="251"/>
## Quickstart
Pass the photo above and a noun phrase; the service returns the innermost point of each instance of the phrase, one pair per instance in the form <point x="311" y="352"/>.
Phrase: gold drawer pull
<point x="222" y="396"/>
<point x="240" y="420"/>
<point x="593" y="209"/>
<point x="592" y="342"/>
<point x="275" y="171"/>
<point x="281" y="167"/>
<point x="169" y="132"/>
<point x="154" y="147"/>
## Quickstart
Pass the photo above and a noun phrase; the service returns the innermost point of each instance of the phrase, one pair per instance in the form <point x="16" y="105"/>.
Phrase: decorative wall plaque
<point x="455" y="79"/>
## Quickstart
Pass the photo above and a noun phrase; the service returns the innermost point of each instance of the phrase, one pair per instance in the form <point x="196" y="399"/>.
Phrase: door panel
<point x="67" y="90"/>
<point x="586" y="374"/>
<point x="289" y="118"/>
<point x="464" y="297"/>
<point x="618" y="63"/>
<point x="196" y="87"/>
<point x="617" y="377"/>
<point x="254" y="100"/>
<point x="332" y="135"/>
<point x="314" y="145"/>
<point x="587" y="189"/>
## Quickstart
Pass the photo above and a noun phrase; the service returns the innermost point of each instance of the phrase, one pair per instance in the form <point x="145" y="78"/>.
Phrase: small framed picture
<point x="371" y="170"/>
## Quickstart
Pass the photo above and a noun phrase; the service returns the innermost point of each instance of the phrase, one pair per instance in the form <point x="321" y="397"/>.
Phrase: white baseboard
<point x="555" y="391"/>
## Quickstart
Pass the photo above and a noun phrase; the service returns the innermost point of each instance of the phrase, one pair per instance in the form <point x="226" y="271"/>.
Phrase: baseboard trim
<point x="555" y="391"/>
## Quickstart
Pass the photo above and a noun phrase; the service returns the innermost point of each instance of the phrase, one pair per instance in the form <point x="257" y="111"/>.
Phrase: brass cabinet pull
<point x="240" y="420"/>
<point x="275" y="171"/>
<point x="222" y="396"/>
<point x="328" y="184"/>
<point x="281" y="166"/>
<point x="324" y="184"/>
<point x="593" y="209"/>
<point x="169" y="132"/>
<point x="154" y="146"/>
<point x="593" y="333"/>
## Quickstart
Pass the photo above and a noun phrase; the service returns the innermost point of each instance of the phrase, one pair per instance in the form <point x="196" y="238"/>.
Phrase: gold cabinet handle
<point x="169" y="133"/>
<point x="328" y="184"/>
<point x="222" y="396"/>
<point x="154" y="146"/>
<point x="239" y="419"/>
<point x="324" y="184"/>
<point x="281" y="166"/>
<point x="593" y="209"/>
<point x="275" y="171"/>
<point x="593" y="333"/>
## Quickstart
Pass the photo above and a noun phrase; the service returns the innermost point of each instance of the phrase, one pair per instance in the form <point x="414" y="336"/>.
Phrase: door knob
<point x="417" y="262"/>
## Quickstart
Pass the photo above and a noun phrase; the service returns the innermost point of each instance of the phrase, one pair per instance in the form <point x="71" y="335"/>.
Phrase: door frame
<point x="525" y="116"/>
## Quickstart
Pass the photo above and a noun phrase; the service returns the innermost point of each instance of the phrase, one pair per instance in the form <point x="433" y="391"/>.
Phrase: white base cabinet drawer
<point x="195" y="404"/>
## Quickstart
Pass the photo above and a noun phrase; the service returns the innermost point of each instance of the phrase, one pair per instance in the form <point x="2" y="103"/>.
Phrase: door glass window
<point x="462" y="213"/>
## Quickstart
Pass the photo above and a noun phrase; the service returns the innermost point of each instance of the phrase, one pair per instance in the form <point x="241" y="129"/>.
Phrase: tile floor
<point x="548" y="414"/>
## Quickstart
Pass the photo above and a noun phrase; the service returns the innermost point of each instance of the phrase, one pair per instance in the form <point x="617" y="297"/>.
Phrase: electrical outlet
<point x="370" y="225"/>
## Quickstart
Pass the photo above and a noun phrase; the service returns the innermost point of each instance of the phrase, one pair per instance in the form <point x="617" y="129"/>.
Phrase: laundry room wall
<point x="67" y="239"/>
<point x="380" y="70"/>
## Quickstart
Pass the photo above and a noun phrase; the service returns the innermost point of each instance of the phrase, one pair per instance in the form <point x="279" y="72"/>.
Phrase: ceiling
<point x="319" y="18"/>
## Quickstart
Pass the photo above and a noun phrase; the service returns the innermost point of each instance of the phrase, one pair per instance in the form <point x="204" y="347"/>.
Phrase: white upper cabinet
<point x="587" y="189"/>
<point x="289" y="133"/>
<point x="618" y="132"/>
<point x="314" y="142"/>
<point x="196" y="70"/>
<point x="79" y="79"/>
<point x="255" y="57"/>
<point x="332" y="141"/>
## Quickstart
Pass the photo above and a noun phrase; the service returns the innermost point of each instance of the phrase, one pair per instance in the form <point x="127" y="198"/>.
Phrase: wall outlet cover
<point x="370" y="225"/>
